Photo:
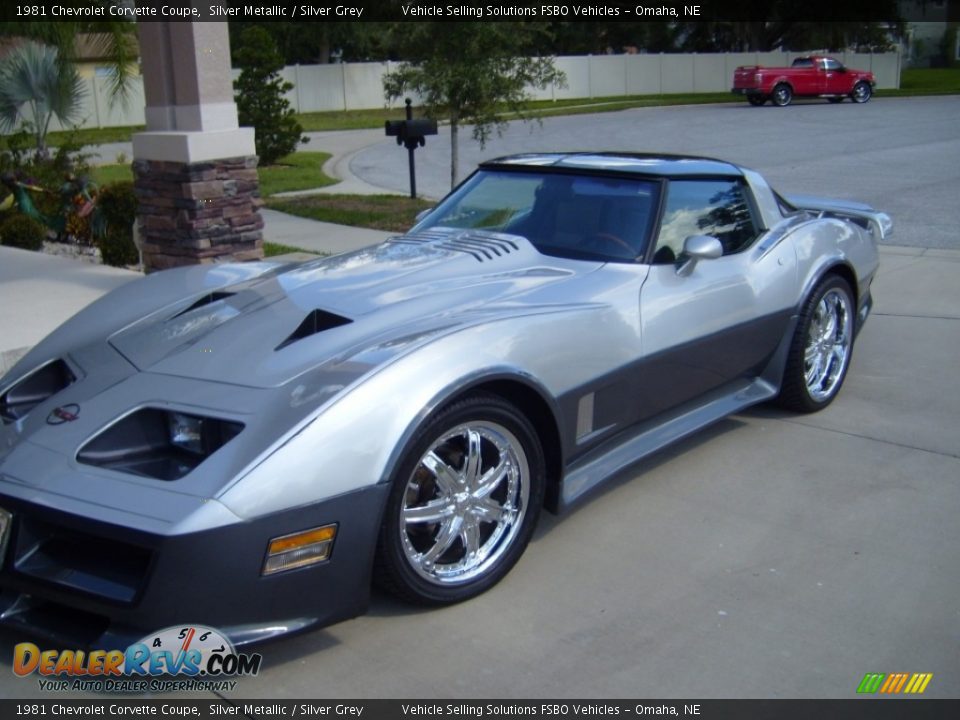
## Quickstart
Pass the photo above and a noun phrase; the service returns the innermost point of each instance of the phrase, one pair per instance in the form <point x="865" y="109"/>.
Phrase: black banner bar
<point x="480" y="10"/>
<point x="214" y="707"/>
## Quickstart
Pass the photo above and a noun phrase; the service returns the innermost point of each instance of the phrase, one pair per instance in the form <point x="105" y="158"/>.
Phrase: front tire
<point x="782" y="95"/>
<point x="862" y="92"/>
<point x="821" y="348"/>
<point x="464" y="503"/>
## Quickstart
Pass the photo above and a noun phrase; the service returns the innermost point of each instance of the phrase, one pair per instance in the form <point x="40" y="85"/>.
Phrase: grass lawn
<point x="104" y="174"/>
<point x="928" y="81"/>
<point x="391" y="213"/>
<point x="271" y="249"/>
<point x="298" y="171"/>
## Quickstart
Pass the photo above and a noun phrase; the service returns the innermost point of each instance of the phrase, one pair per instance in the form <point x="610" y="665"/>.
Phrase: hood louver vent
<point x="482" y="246"/>
<point x="205" y="300"/>
<point x="315" y="322"/>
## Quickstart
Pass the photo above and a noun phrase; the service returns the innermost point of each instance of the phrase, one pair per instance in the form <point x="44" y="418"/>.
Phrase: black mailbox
<point x="411" y="133"/>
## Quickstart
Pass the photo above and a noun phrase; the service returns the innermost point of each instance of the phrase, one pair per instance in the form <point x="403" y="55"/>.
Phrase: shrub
<point x="24" y="232"/>
<point x="259" y="95"/>
<point x="117" y="210"/>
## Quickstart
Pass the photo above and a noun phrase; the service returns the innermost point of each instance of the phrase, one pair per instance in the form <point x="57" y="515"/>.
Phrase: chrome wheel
<point x="820" y="348"/>
<point x="465" y="503"/>
<point x="782" y="95"/>
<point x="828" y="345"/>
<point x="861" y="92"/>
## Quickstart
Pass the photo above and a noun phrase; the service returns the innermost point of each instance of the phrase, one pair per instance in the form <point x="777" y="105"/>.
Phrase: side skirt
<point x="604" y="462"/>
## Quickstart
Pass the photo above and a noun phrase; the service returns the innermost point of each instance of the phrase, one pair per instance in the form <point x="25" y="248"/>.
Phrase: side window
<point x="704" y="207"/>
<point x="831" y="64"/>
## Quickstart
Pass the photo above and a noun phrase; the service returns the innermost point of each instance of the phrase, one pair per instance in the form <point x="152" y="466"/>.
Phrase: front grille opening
<point x="75" y="560"/>
<point x="32" y="390"/>
<point x="159" y="444"/>
<point x="63" y="623"/>
<point x="316" y="322"/>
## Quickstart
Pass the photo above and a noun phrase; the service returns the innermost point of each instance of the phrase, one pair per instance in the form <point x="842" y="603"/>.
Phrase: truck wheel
<point x="861" y="92"/>
<point x="782" y="95"/>
<point x="756" y="100"/>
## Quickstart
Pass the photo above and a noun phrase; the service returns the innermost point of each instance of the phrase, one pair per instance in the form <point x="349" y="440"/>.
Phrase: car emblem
<point x="63" y="414"/>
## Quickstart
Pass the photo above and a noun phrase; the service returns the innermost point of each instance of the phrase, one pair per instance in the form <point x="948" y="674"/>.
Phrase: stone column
<point x="194" y="167"/>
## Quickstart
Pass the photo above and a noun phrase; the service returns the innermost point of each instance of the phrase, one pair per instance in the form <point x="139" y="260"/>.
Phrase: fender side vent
<point x="316" y="322"/>
<point x="208" y="299"/>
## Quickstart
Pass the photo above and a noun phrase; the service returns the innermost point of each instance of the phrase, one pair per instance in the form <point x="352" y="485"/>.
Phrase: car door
<point x="834" y="78"/>
<point x="722" y="321"/>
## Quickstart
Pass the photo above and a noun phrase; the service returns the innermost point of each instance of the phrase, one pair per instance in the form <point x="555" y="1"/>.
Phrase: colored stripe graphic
<point x="894" y="683"/>
<point x="870" y="683"/>
<point x="918" y="683"/>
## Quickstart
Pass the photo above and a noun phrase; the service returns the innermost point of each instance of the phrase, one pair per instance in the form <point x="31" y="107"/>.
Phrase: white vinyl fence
<point x="359" y="86"/>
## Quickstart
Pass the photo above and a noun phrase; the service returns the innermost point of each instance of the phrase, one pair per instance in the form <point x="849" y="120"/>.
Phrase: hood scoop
<point x="480" y="245"/>
<point x="207" y="299"/>
<point x="316" y="322"/>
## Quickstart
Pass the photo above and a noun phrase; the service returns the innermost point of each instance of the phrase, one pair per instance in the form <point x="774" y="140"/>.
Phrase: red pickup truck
<point x="813" y="76"/>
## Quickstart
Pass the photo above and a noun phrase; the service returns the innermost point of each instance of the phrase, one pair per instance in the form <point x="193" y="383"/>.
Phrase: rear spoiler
<point x="879" y="223"/>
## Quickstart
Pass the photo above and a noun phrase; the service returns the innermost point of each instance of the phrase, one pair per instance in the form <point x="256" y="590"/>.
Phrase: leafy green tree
<point x="259" y="95"/>
<point x="470" y="72"/>
<point x="309" y="43"/>
<point x="35" y="88"/>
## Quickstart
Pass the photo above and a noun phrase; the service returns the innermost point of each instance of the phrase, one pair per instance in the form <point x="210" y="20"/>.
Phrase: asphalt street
<point x="772" y="556"/>
<point x="901" y="155"/>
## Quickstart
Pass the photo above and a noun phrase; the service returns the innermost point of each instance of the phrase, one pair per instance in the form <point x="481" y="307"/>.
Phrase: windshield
<point x="578" y="216"/>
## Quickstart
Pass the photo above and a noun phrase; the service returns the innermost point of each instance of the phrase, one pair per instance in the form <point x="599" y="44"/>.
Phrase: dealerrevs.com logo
<point x="178" y="658"/>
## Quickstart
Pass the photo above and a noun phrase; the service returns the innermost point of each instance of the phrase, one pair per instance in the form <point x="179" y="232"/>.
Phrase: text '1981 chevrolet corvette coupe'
<point x="247" y="446"/>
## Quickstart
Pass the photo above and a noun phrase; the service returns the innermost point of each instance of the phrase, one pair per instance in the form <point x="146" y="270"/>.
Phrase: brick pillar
<point x="194" y="168"/>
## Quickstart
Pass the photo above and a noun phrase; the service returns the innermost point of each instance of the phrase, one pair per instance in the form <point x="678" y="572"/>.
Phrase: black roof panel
<point x="639" y="163"/>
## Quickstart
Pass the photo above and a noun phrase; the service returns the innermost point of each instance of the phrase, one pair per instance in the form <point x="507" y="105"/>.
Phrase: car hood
<point x="266" y="331"/>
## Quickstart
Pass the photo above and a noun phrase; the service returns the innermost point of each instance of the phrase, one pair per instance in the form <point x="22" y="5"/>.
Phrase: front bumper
<point x="86" y="583"/>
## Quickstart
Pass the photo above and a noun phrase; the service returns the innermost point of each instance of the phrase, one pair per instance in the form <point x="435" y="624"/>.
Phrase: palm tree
<point x="112" y="36"/>
<point x="35" y="87"/>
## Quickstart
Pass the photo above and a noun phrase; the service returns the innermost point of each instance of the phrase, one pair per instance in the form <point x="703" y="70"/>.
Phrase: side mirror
<point x="695" y="249"/>
<point x="422" y="214"/>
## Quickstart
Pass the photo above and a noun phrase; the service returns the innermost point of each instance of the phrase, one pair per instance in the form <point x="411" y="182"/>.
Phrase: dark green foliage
<point x="117" y="205"/>
<point x="471" y="72"/>
<point x="259" y="95"/>
<point x="19" y="231"/>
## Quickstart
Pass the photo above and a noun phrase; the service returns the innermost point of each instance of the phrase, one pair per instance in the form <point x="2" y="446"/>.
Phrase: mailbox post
<point x="411" y="134"/>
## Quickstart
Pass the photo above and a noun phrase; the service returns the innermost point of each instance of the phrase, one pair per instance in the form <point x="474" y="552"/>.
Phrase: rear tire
<point x="464" y="503"/>
<point x="821" y="347"/>
<point x="782" y="95"/>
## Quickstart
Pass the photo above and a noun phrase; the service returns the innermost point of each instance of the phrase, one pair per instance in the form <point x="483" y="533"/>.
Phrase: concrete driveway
<point x="773" y="555"/>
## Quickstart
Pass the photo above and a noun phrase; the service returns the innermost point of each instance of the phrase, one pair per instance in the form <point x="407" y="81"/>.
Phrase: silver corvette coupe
<point x="249" y="446"/>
